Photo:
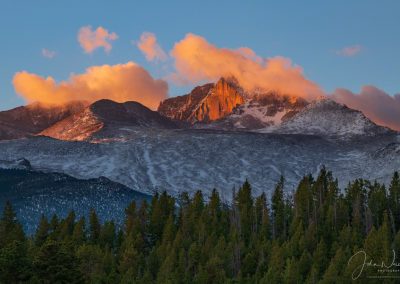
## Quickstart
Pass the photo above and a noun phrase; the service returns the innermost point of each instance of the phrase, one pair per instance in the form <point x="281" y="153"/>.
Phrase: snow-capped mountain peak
<point x="327" y="117"/>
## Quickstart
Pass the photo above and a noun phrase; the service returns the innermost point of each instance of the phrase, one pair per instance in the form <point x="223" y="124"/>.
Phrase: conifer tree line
<point x="305" y="237"/>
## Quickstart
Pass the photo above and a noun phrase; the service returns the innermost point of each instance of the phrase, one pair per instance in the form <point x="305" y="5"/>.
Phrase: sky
<point x="348" y="49"/>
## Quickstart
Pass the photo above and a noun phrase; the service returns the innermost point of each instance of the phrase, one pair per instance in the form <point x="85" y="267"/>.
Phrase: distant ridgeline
<point x="34" y="193"/>
<point x="318" y="234"/>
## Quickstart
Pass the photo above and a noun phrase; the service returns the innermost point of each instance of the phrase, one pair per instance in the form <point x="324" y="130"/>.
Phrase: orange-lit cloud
<point x="150" y="48"/>
<point x="377" y="105"/>
<point x="122" y="82"/>
<point x="349" y="51"/>
<point x="90" y="40"/>
<point x="197" y="60"/>
<point x="48" y="53"/>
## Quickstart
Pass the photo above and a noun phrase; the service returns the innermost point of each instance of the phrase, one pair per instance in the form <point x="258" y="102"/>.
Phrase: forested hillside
<point x="307" y="237"/>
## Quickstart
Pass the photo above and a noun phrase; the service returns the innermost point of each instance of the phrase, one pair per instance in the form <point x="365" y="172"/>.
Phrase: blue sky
<point x="310" y="33"/>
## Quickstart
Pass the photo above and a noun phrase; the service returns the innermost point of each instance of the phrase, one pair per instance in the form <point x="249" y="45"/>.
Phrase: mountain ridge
<point x="104" y="117"/>
<point x="34" y="193"/>
<point x="31" y="119"/>
<point x="222" y="106"/>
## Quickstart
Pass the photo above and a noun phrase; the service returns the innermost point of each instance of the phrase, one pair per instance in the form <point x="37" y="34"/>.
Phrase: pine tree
<point x="304" y="266"/>
<point x="244" y="203"/>
<point x="320" y="261"/>
<point x="42" y="232"/>
<point x="278" y="211"/>
<point x="275" y="266"/>
<point x="291" y="273"/>
<point x="130" y="218"/>
<point x="337" y="266"/>
<point x="91" y="263"/>
<point x="10" y="228"/>
<point x="377" y="203"/>
<point x="107" y="237"/>
<point x="67" y="226"/>
<point x="15" y="265"/>
<point x="54" y="227"/>
<point x="394" y="200"/>
<point x="55" y="262"/>
<point x="94" y="227"/>
<point x="262" y="218"/>
<point x="79" y="233"/>
<point x="303" y="201"/>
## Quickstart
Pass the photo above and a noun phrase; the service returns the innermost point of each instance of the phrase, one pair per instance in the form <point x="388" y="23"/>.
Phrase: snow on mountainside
<point x="188" y="160"/>
<point x="259" y="111"/>
<point x="226" y="106"/>
<point x="22" y="164"/>
<point x="220" y="106"/>
<point x="33" y="193"/>
<point x="329" y="118"/>
<point x="107" y="119"/>
<point x="31" y="119"/>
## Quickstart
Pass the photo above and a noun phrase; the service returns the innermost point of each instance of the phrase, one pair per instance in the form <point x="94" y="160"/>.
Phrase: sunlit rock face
<point x="220" y="102"/>
<point x="107" y="119"/>
<point x="260" y="111"/>
<point x="29" y="120"/>
<point x="205" y="103"/>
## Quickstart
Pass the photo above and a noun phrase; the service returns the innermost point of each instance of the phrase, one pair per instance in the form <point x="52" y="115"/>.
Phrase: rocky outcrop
<point x="262" y="110"/>
<point x="220" y="102"/>
<point x="206" y="103"/>
<point x="181" y="108"/>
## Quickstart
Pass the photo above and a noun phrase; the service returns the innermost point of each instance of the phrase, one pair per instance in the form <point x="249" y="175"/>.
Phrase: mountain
<point x="272" y="112"/>
<point x="328" y="118"/>
<point x="205" y="103"/>
<point x="226" y="106"/>
<point x="33" y="193"/>
<point x="192" y="159"/>
<point x="259" y="111"/>
<point x="29" y="120"/>
<point x="106" y="119"/>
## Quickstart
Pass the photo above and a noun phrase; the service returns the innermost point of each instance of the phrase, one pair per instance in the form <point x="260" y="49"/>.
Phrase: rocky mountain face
<point x="259" y="111"/>
<point x="226" y="106"/>
<point x="181" y="108"/>
<point x="205" y="103"/>
<point x="31" y="119"/>
<point x="220" y="106"/>
<point x="328" y="118"/>
<point x="108" y="119"/>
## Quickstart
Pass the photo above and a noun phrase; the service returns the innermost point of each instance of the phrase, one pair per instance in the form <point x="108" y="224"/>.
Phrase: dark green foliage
<point x="307" y="237"/>
<point x="55" y="262"/>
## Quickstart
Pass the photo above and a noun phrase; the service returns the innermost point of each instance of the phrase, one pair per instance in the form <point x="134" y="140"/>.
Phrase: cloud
<point x="377" y="105"/>
<point x="349" y="51"/>
<point x="122" y="82"/>
<point x="91" y="40"/>
<point x="48" y="53"/>
<point x="197" y="60"/>
<point x="150" y="48"/>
